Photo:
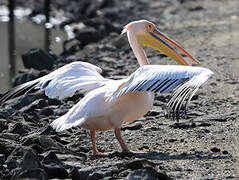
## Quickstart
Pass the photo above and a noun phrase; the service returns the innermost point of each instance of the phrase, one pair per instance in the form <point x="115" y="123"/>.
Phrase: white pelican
<point x="107" y="103"/>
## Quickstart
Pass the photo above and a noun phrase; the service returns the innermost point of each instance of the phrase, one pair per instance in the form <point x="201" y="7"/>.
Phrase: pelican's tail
<point x="76" y="116"/>
<point x="58" y="124"/>
<point x="62" y="123"/>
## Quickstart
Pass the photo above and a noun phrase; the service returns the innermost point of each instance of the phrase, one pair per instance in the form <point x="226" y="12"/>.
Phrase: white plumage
<point x="150" y="78"/>
<point x="109" y="103"/>
<point x="162" y="79"/>
<point x="76" y="76"/>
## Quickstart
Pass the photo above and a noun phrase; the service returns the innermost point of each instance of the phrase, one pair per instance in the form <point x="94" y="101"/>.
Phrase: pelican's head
<point x="148" y="35"/>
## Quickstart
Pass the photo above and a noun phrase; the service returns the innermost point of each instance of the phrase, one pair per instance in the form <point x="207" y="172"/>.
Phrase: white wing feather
<point x="162" y="79"/>
<point x="76" y="76"/>
<point x="153" y="78"/>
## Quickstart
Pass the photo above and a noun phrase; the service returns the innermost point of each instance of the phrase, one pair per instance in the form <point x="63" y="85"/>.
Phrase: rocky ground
<point x="204" y="146"/>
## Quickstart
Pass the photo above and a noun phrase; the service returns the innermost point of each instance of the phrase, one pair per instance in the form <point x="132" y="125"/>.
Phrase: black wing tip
<point x="18" y="91"/>
<point x="178" y="104"/>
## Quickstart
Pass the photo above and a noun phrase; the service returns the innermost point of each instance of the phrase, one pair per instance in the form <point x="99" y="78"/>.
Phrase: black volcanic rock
<point x="55" y="171"/>
<point x="11" y="163"/>
<point x="20" y="129"/>
<point x="30" y="160"/>
<point x="49" y="157"/>
<point x="6" y="147"/>
<point x="30" y="167"/>
<point x="38" y="59"/>
<point x="3" y="125"/>
<point x="147" y="174"/>
<point x="46" y="111"/>
<point x="34" y="173"/>
<point x="87" y="35"/>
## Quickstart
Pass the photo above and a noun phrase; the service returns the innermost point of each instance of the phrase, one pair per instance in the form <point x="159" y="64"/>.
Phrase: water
<point x="18" y="37"/>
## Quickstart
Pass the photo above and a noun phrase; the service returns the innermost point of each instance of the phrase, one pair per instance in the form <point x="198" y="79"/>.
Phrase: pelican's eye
<point x="150" y="27"/>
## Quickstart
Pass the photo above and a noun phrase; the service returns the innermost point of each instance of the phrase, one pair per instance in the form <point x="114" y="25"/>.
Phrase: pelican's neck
<point x="137" y="49"/>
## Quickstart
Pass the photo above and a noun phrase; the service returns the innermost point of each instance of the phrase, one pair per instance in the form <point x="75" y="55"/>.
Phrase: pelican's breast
<point x="130" y="107"/>
<point x="104" y="115"/>
<point x="96" y="111"/>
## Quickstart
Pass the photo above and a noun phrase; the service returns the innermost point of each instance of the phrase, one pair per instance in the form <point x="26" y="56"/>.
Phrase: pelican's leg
<point x="95" y="150"/>
<point x="121" y="141"/>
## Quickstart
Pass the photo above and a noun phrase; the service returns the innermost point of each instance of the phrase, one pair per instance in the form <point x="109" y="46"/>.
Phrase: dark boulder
<point x="112" y="27"/>
<point x="50" y="157"/>
<point x="30" y="160"/>
<point x="35" y="173"/>
<point x="74" y="174"/>
<point x="53" y="166"/>
<point x="87" y="35"/>
<point x="38" y="59"/>
<point x="3" y="125"/>
<point x="6" y="147"/>
<point x="32" y="116"/>
<point x="46" y="111"/>
<point x="30" y="167"/>
<point x="37" y="148"/>
<point x="55" y="171"/>
<point x="92" y="173"/>
<point x="11" y="163"/>
<point x="20" y="129"/>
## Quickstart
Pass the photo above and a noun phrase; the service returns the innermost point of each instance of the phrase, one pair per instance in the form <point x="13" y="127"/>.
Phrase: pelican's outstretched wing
<point x="162" y="79"/>
<point x="63" y="82"/>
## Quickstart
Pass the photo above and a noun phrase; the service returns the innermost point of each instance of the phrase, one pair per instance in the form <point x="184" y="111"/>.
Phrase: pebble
<point x="215" y="149"/>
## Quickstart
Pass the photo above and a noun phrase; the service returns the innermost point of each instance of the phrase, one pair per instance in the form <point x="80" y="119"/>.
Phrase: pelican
<point x="108" y="103"/>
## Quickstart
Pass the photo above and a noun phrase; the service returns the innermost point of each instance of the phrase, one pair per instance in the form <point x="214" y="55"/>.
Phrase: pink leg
<point x="95" y="150"/>
<point x="121" y="141"/>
